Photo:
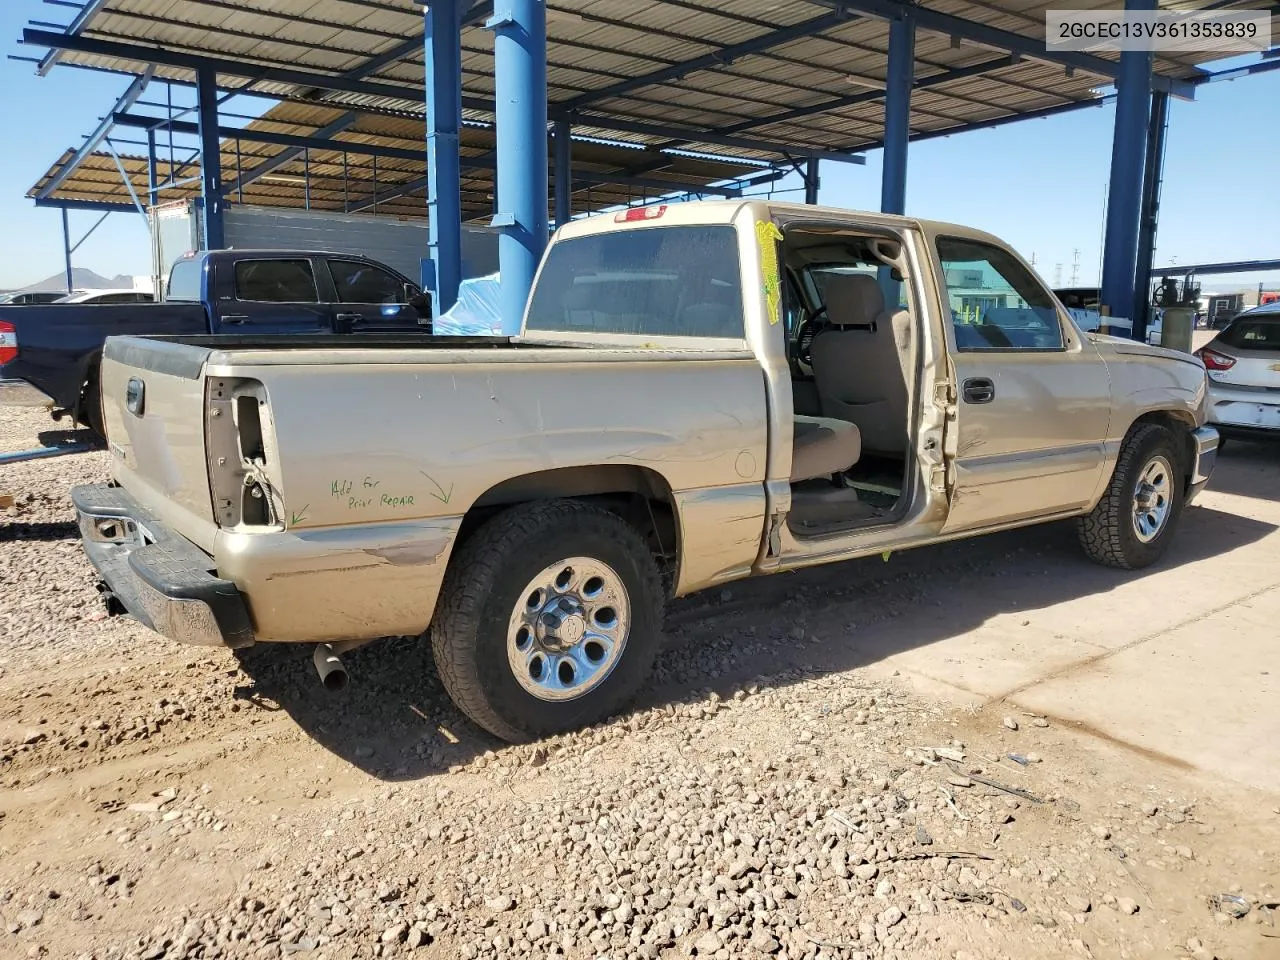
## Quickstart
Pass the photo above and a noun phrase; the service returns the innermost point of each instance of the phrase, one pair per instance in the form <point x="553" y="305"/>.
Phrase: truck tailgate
<point x="154" y="413"/>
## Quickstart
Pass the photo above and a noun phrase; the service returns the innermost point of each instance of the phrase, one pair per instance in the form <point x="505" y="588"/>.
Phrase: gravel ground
<point x="764" y="799"/>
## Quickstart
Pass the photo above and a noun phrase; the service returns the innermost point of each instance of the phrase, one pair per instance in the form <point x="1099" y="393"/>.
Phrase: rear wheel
<point x="1133" y="522"/>
<point x="549" y="619"/>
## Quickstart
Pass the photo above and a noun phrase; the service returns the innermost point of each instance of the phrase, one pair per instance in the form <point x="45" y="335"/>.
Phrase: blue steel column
<point x="153" y="192"/>
<point x="442" y="273"/>
<point x="210" y="156"/>
<point x="897" y="112"/>
<point x="564" y="172"/>
<point x="66" y="249"/>
<point x="1149" y="218"/>
<point x="811" y="181"/>
<point x="520" y="78"/>
<point x="1128" y="156"/>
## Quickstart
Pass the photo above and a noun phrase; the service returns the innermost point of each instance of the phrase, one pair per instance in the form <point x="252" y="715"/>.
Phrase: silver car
<point x="1243" y="363"/>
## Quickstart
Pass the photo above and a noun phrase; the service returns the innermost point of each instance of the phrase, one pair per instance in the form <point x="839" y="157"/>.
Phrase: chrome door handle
<point x="235" y="319"/>
<point x="350" y="317"/>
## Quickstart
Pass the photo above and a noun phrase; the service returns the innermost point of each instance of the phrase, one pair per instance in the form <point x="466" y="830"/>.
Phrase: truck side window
<point x="996" y="302"/>
<point x="358" y="282"/>
<point x="276" y="281"/>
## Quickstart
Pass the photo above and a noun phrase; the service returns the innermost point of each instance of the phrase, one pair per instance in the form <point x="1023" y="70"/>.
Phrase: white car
<point x="1243" y="365"/>
<point x="108" y="296"/>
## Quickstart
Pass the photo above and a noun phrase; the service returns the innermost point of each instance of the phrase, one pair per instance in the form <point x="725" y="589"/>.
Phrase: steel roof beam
<point x="344" y="122"/>
<point x="690" y="135"/>
<point x="1236" y="266"/>
<point x="159" y="56"/>
<point x="922" y="83"/>
<point x="87" y="13"/>
<point x="1001" y="121"/>
<point x="95" y="139"/>
<point x="280" y="139"/>
<point x="302" y="78"/>
<point x="485" y="161"/>
<point x="717" y="58"/>
<point x="101" y="206"/>
<point x="987" y="36"/>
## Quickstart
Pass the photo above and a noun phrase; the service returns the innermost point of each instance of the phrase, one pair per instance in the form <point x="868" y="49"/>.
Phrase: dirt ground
<point x="811" y="773"/>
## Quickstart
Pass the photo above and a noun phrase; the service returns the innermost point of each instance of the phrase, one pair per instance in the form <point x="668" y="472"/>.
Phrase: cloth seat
<point x="821" y="447"/>
<point x="858" y="363"/>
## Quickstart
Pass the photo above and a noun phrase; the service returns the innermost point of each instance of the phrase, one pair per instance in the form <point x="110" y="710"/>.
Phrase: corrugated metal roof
<point x="813" y="91"/>
<point x="334" y="179"/>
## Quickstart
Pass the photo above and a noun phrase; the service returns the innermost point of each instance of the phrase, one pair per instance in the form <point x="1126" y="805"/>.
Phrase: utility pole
<point x="1075" y="266"/>
<point x="1057" y="274"/>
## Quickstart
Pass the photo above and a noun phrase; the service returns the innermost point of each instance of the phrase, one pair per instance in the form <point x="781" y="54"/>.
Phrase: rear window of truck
<point x="654" y="282"/>
<point x="184" y="281"/>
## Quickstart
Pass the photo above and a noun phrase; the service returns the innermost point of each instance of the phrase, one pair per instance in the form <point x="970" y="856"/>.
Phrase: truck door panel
<point x="271" y="296"/>
<point x="1033" y="397"/>
<point x="368" y="298"/>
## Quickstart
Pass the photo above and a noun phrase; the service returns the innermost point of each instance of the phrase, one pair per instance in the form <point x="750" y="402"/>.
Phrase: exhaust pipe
<point x="333" y="675"/>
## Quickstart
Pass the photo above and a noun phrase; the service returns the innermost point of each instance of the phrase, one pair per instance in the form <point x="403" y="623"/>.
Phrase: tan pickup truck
<point x="701" y="392"/>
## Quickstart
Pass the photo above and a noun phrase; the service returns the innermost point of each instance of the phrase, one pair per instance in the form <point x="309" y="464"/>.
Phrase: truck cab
<point x="288" y="292"/>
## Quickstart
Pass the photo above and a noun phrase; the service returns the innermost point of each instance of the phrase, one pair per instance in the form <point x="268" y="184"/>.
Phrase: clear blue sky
<point x="1039" y="184"/>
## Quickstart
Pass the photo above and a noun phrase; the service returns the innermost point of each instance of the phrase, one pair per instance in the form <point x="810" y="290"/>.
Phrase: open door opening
<point x="851" y="347"/>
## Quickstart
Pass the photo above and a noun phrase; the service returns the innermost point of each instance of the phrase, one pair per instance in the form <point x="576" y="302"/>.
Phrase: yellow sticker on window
<point x="768" y="235"/>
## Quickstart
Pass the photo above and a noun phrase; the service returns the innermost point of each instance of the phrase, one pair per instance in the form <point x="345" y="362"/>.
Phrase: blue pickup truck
<point x="49" y="354"/>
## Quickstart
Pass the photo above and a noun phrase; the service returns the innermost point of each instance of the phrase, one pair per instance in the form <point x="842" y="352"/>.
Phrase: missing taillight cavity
<point x="243" y="463"/>
<point x="255" y="509"/>
<point x="249" y="428"/>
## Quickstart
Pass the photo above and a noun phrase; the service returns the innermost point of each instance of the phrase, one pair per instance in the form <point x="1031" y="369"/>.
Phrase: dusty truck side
<point x="701" y="393"/>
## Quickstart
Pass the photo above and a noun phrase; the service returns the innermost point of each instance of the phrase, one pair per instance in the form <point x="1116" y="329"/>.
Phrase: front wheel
<point x="1133" y="522"/>
<point x="549" y="619"/>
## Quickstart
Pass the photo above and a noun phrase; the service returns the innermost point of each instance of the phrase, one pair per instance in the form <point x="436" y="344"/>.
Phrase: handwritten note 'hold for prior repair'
<point x="362" y="494"/>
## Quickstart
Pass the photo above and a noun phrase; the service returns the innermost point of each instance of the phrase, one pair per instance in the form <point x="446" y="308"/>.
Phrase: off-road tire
<point x="486" y="579"/>
<point x="1107" y="532"/>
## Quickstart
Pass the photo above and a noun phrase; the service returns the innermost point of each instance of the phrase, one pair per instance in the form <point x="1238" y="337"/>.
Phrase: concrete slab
<point x="1207" y="693"/>
<point x="987" y="661"/>
<point x="1179" y="661"/>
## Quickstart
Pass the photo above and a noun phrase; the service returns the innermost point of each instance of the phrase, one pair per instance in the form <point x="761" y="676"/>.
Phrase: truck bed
<point x="344" y="341"/>
<point x="337" y="467"/>
<point x="59" y="342"/>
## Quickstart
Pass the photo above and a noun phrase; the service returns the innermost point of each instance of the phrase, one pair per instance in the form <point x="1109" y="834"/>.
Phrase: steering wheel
<point x="805" y="334"/>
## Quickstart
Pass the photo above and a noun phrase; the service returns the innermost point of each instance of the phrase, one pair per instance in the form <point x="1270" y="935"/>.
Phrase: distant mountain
<point x="83" y="279"/>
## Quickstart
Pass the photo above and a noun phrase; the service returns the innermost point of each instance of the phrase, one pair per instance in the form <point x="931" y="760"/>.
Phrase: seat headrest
<point x="853" y="299"/>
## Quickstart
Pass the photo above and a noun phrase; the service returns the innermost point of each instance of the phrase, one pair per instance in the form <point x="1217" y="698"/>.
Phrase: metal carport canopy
<point x="744" y="78"/>
<point x="747" y="79"/>
<point x="373" y="164"/>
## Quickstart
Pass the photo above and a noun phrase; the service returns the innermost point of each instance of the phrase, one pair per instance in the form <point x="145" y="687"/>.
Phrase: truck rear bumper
<point x="19" y="393"/>
<point x="161" y="579"/>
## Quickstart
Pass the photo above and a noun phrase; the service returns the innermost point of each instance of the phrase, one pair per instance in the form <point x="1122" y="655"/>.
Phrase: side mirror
<point x="420" y="301"/>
